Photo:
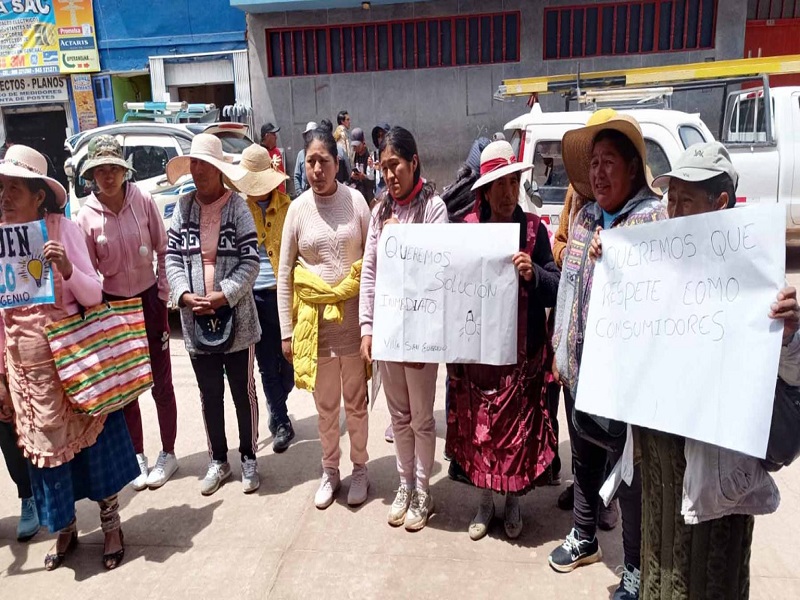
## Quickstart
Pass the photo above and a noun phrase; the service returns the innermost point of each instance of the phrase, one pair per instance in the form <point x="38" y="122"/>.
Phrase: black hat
<point x="269" y="128"/>
<point x="385" y="127"/>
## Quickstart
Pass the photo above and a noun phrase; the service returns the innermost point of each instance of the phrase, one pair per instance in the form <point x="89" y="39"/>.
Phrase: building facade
<point x="434" y="67"/>
<point x="178" y="50"/>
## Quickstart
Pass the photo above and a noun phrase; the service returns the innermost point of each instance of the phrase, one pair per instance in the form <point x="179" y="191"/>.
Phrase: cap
<point x="357" y="137"/>
<point x="701" y="162"/>
<point x="269" y="128"/>
<point x="310" y="126"/>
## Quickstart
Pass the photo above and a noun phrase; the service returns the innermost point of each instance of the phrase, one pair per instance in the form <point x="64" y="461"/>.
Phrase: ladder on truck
<point x="688" y="76"/>
<point x="638" y="86"/>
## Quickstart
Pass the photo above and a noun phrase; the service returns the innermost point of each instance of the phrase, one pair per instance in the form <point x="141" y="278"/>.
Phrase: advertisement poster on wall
<point x="39" y="37"/>
<point x="84" y="101"/>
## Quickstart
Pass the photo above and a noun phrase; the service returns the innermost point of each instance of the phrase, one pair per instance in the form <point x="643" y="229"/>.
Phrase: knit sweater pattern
<point x="325" y="234"/>
<point x="235" y="271"/>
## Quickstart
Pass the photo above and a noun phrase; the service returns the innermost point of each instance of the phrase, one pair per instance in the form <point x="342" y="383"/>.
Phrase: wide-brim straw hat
<point x="576" y="148"/>
<point x="208" y="148"/>
<point x="104" y="150"/>
<point x="498" y="160"/>
<point x="261" y="176"/>
<point x="26" y="163"/>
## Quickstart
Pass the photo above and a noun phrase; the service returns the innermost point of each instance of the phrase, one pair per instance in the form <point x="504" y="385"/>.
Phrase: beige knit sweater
<point x="326" y="234"/>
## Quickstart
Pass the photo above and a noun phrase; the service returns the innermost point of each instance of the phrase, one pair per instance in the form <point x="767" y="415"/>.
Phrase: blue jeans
<point x="277" y="375"/>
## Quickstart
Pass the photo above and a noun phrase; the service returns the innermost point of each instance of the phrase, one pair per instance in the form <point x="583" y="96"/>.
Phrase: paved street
<point x="275" y="544"/>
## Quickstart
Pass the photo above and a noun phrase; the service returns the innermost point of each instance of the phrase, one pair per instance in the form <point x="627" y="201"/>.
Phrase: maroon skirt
<point x="498" y="427"/>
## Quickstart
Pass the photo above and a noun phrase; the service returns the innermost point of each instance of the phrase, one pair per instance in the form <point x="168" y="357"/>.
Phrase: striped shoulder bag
<point x="102" y="356"/>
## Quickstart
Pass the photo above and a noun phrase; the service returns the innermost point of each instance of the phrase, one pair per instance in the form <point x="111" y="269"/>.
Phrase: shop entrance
<point x="220" y="94"/>
<point x="44" y="131"/>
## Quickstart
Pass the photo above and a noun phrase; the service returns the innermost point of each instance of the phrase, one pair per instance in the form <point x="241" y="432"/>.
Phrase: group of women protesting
<point x="291" y="285"/>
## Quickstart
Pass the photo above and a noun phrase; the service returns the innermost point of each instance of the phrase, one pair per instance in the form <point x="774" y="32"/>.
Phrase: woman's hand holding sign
<point x="57" y="255"/>
<point x="787" y="308"/>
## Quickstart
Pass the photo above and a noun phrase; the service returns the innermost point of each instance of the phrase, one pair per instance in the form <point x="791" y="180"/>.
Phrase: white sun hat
<point x="498" y="160"/>
<point x="208" y="148"/>
<point x="26" y="163"/>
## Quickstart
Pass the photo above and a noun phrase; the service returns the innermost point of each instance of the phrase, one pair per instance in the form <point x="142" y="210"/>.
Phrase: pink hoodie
<point x="125" y="272"/>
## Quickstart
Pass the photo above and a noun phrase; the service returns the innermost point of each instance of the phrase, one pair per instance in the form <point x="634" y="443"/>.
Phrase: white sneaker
<point x="397" y="513"/>
<point x="141" y="481"/>
<point x="420" y="509"/>
<point x="328" y="486"/>
<point x="166" y="465"/>
<point x="359" y="486"/>
<point x="250" y="479"/>
<point x="479" y="526"/>
<point x="218" y="471"/>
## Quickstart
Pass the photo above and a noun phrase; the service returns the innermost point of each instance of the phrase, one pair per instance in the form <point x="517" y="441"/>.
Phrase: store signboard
<point x="40" y="37"/>
<point x="77" y="45"/>
<point x="33" y="90"/>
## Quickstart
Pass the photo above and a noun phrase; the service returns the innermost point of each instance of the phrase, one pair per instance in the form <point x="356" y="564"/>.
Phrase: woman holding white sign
<point x="410" y="389"/>
<point x="606" y="163"/>
<point x="498" y="429"/>
<point x="699" y="500"/>
<point x="72" y="456"/>
<point x="318" y="282"/>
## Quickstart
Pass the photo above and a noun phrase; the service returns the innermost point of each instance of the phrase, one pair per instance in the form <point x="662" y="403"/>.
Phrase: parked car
<point x="149" y="147"/>
<point x="537" y="140"/>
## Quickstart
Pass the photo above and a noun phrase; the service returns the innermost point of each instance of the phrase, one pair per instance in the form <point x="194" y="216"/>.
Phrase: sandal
<point x="113" y="559"/>
<point x="53" y="561"/>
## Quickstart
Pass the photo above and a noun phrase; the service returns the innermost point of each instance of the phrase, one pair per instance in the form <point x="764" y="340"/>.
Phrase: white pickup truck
<point x="765" y="148"/>
<point x="537" y="140"/>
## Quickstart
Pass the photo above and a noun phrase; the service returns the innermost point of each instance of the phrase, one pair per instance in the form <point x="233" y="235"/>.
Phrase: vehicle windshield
<point x="233" y="143"/>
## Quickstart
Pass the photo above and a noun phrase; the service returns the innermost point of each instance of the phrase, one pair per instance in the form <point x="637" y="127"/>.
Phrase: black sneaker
<point x="609" y="516"/>
<point x="283" y="437"/>
<point x="575" y="552"/>
<point x="629" y="584"/>
<point x="566" y="499"/>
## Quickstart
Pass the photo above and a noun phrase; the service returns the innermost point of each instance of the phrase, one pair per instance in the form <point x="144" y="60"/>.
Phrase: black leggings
<point x="590" y="465"/>
<point x="211" y="370"/>
<point x="15" y="460"/>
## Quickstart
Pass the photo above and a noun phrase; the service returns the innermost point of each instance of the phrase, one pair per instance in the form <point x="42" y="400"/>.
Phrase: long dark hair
<point x="402" y="142"/>
<point x="50" y="204"/>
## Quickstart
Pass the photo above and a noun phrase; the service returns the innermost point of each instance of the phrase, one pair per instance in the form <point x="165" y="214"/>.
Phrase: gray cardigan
<point x="236" y="269"/>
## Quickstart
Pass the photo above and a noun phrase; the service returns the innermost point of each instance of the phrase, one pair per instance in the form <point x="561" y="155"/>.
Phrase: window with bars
<point x="394" y="45"/>
<point x="765" y="10"/>
<point x="629" y="28"/>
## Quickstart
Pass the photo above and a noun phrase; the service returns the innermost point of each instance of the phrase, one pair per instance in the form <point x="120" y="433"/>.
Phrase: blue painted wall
<point x="130" y="31"/>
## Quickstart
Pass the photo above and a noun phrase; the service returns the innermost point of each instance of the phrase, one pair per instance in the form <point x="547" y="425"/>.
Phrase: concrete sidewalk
<point x="275" y="544"/>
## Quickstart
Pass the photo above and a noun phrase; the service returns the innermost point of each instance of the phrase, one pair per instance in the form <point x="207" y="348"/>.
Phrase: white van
<point x="537" y="140"/>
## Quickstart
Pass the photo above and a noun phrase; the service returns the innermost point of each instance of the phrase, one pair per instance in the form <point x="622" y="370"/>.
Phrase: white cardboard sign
<point x="678" y="336"/>
<point x="446" y="293"/>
